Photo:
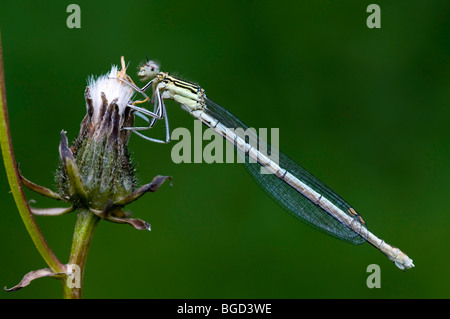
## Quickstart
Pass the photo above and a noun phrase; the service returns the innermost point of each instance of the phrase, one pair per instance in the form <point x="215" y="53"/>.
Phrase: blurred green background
<point x="365" y="110"/>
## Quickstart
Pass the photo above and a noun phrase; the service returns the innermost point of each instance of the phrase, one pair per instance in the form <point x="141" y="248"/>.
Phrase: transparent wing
<point x="285" y="195"/>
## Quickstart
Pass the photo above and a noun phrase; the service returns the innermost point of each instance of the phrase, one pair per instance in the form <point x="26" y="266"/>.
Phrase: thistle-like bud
<point x="100" y="151"/>
<point x="96" y="172"/>
<point x="96" y="175"/>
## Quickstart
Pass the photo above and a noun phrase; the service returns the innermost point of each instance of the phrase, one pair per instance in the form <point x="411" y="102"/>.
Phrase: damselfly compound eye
<point x="148" y="70"/>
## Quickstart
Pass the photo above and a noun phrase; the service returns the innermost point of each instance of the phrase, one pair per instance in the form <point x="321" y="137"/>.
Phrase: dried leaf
<point x="113" y="216"/>
<point x="41" y="190"/>
<point x="56" y="211"/>
<point x="152" y="187"/>
<point x="135" y="222"/>
<point x="32" y="275"/>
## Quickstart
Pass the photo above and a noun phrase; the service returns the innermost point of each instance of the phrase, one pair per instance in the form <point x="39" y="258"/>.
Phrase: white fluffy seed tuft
<point x="112" y="88"/>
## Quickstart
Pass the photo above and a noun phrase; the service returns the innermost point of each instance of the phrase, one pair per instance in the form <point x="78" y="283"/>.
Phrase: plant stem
<point x="15" y="183"/>
<point x="82" y="236"/>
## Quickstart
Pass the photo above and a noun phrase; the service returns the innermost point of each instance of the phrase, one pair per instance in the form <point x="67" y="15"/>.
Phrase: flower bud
<point x="100" y="152"/>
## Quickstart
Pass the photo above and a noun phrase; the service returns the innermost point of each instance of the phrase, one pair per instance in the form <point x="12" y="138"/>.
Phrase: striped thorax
<point x="186" y="93"/>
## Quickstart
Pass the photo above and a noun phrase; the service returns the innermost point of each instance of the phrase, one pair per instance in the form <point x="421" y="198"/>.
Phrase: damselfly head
<point x="148" y="70"/>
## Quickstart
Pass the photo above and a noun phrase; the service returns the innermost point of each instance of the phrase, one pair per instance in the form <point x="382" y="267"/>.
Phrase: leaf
<point x="55" y="211"/>
<point x="152" y="187"/>
<point x="32" y="275"/>
<point x="41" y="190"/>
<point x="71" y="167"/>
<point x="112" y="215"/>
<point x="137" y="223"/>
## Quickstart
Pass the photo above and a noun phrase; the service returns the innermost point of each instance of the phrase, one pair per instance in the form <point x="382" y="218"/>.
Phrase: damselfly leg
<point x="159" y="112"/>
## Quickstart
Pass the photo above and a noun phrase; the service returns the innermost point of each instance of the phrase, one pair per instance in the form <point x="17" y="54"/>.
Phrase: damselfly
<point x="290" y="185"/>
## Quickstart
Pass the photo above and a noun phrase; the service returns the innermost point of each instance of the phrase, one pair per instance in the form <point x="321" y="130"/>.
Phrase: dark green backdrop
<point x="365" y="110"/>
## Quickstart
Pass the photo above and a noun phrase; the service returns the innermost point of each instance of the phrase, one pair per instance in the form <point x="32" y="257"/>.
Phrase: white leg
<point x="156" y="115"/>
<point x="166" y="122"/>
<point x="159" y="112"/>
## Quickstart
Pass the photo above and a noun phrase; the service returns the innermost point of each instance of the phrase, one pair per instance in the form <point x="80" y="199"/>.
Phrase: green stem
<point x="82" y="236"/>
<point x="15" y="183"/>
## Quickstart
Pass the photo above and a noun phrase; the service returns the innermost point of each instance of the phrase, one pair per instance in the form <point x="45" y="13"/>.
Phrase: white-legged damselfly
<point x="290" y="185"/>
